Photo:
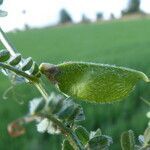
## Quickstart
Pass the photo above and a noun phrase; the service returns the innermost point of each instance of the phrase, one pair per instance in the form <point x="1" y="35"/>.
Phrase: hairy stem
<point x="73" y="139"/>
<point x="5" y="41"/>
<point x="41" y="90"/>
<point x="71" y="136"/>
<point x="19" y="72"/>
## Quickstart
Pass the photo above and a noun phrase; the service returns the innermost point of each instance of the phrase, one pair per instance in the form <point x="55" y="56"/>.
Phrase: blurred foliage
<point x="127" y="140"/>
<point x="124" y="43"/>
<point x="99" y="16"/>
<point x="85" y="19"/>
<point x="1" y="1"/>
<point x="2" y="13"/>
<point x="65" y="17"/>
<point x="133" y="8"/>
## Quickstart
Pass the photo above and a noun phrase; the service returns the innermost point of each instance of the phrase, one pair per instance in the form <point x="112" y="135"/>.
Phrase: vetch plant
<point x="58" y="113"/>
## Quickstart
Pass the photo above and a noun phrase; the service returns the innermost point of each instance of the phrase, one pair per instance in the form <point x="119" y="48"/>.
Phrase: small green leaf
<point x="82" y="134"/>
<point x="37" y="105"/>
<point x="66" y="111"/>
<point x="96" y="133"/>
<point x="4" y="55"/>
<point x="77" y="114"/>
<point x="147" y="136"/>
<point x="99" y="143"/>
<point x="3" y="13"/>
<point x="55" y="104"/>
<point x="40" y="106"/>
<point x="71" y="112"/>
<point x="127" y="140"/>
<point x="27" y="64"/>
<point x="93" y="82"/>
<point x="66" y="145"/>
<point x="15" y="60"/>
<point x="35" y="68"/>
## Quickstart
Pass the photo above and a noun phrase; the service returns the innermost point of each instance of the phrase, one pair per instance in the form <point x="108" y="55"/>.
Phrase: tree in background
<point x="85" y="19"/>
<point x="133" y="7"/>
<point x="112" y="16"/>
<point x="65" y="17"/>
<point x="99" y="16"/>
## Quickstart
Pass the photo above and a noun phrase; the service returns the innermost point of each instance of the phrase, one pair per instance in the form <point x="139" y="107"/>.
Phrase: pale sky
<point x="46" y="12"/>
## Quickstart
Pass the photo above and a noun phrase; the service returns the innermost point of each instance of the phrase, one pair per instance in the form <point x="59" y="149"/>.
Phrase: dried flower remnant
<point x="16" y="128"/>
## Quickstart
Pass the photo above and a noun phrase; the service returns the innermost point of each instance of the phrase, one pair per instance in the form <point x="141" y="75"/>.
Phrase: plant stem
<point x="41" y="90"/>
<point x="73" y="139"/>
<point x="146" y="101"/>
<point x="5" y="41"/>
<point x="19" y="72"/>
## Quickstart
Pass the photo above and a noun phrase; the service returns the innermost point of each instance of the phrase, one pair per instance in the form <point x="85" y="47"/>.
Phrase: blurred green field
<point x="124" y="43"/>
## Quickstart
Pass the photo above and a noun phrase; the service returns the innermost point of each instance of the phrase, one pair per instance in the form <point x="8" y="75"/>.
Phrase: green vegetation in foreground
<point x="124" y="43"/>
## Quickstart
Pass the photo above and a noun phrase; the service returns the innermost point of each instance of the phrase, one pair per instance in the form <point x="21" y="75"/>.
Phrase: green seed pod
<point x="93" y="82"/>
<point x="35" y="68"/>
<point x="27" y="64"/>
<point x="4" y="55"/>
<point x="15" y="60"/>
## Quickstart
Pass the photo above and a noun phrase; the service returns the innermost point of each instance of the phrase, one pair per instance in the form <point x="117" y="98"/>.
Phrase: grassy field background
<point x="124" y="43"/>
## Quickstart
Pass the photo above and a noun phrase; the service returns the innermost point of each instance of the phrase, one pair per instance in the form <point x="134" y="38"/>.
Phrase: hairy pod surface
<point x="92" y="82"/>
